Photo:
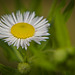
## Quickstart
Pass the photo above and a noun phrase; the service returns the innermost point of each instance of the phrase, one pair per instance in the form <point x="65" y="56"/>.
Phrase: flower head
<point x="20" y="29"/>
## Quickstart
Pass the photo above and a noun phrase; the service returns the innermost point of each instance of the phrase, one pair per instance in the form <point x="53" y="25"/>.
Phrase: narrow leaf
<point x="52" y="9"/>
<point x="67" y="12"/>
<point x="61" y="31"/>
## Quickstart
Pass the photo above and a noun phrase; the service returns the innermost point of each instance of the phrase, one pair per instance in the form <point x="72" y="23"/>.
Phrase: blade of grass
<point x="68" y="10"/>
<point x="61" y="31"/>
<point x="52" y="9"/>
<point x="55" y="6"/>
<point x="61" y="5"/>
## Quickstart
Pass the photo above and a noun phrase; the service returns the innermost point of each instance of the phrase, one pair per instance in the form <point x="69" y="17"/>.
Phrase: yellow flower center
<point x="22" y="30"/>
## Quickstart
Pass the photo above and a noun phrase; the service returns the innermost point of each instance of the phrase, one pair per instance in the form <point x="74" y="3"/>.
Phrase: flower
<point x="19" y="29"/>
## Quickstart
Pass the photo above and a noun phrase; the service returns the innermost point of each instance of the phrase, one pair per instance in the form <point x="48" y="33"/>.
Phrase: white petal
<point x="40" y="38"/>
<point x="37" y="41"/>
<point x="3" y="36"/>
<point x="9" y="18"/>
<point x="4" y="29"/>
<point x="34" y="20"/>
<point x="25" y="45"/>
<point x="22" y="43"/>
<point x="18" y="43"/>
<point x="3" y="25"/>
<point x="31" y="17"/>
<point x="13" y="40"/>
<point x="15" y="43"/>
<point x="38" y="20"/>
<point x="8" y="39"/>
<point x="41" y="23"/>
<point x="42" y="27"/>
<point x="14" y="18"/>
<point x="27" y="42"/>
<point x="41" y="33"/>
<point x="26" y="16"/>
<point x="6" y="22"/>
<point x="19" y="17"/>
<point x="5" y="33"/>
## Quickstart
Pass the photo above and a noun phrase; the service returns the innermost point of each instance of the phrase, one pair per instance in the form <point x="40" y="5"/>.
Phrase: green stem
<point x="26" y="56"/>
<point x="19" y="56"/>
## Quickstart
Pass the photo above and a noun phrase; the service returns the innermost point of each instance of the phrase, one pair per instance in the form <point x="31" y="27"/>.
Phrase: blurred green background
<point x="11" y="5"/>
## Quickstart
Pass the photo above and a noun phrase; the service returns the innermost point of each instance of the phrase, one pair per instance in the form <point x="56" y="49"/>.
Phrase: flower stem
<point x="19" y="56"/>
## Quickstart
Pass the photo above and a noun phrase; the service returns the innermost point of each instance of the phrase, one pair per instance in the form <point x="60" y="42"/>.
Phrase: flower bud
<point x="23" y="68"/>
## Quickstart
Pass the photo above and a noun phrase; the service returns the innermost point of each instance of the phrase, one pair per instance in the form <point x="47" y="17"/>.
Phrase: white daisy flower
<point x="20" y="29"/>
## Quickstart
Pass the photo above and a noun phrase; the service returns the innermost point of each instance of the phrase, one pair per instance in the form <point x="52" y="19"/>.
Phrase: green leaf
<point x="55" y="6"/>
<point x="5" y="70"/>
<point x="61" y="31"/>
<point x="36" y="6"/>
<point x="52" y="9"/>
<point x="68" y="10"/>
<point x="58" y="30"/>
<point x="61" y="5"/>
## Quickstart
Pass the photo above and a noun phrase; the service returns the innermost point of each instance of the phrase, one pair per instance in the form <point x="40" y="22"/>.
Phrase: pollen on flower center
<point x="22" y="30"/>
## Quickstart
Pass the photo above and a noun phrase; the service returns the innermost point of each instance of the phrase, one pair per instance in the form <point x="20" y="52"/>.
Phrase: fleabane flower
<point x="20" y="29"/>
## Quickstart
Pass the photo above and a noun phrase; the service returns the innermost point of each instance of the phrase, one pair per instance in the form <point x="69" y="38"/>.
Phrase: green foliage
<point x="5" y="70"/>
<point x="68" y="10"/>
<point x="56" y="56"/>
<point x="11" y="52"/>
<point x="61" y="33"/>
<point x="36" y="6"/>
